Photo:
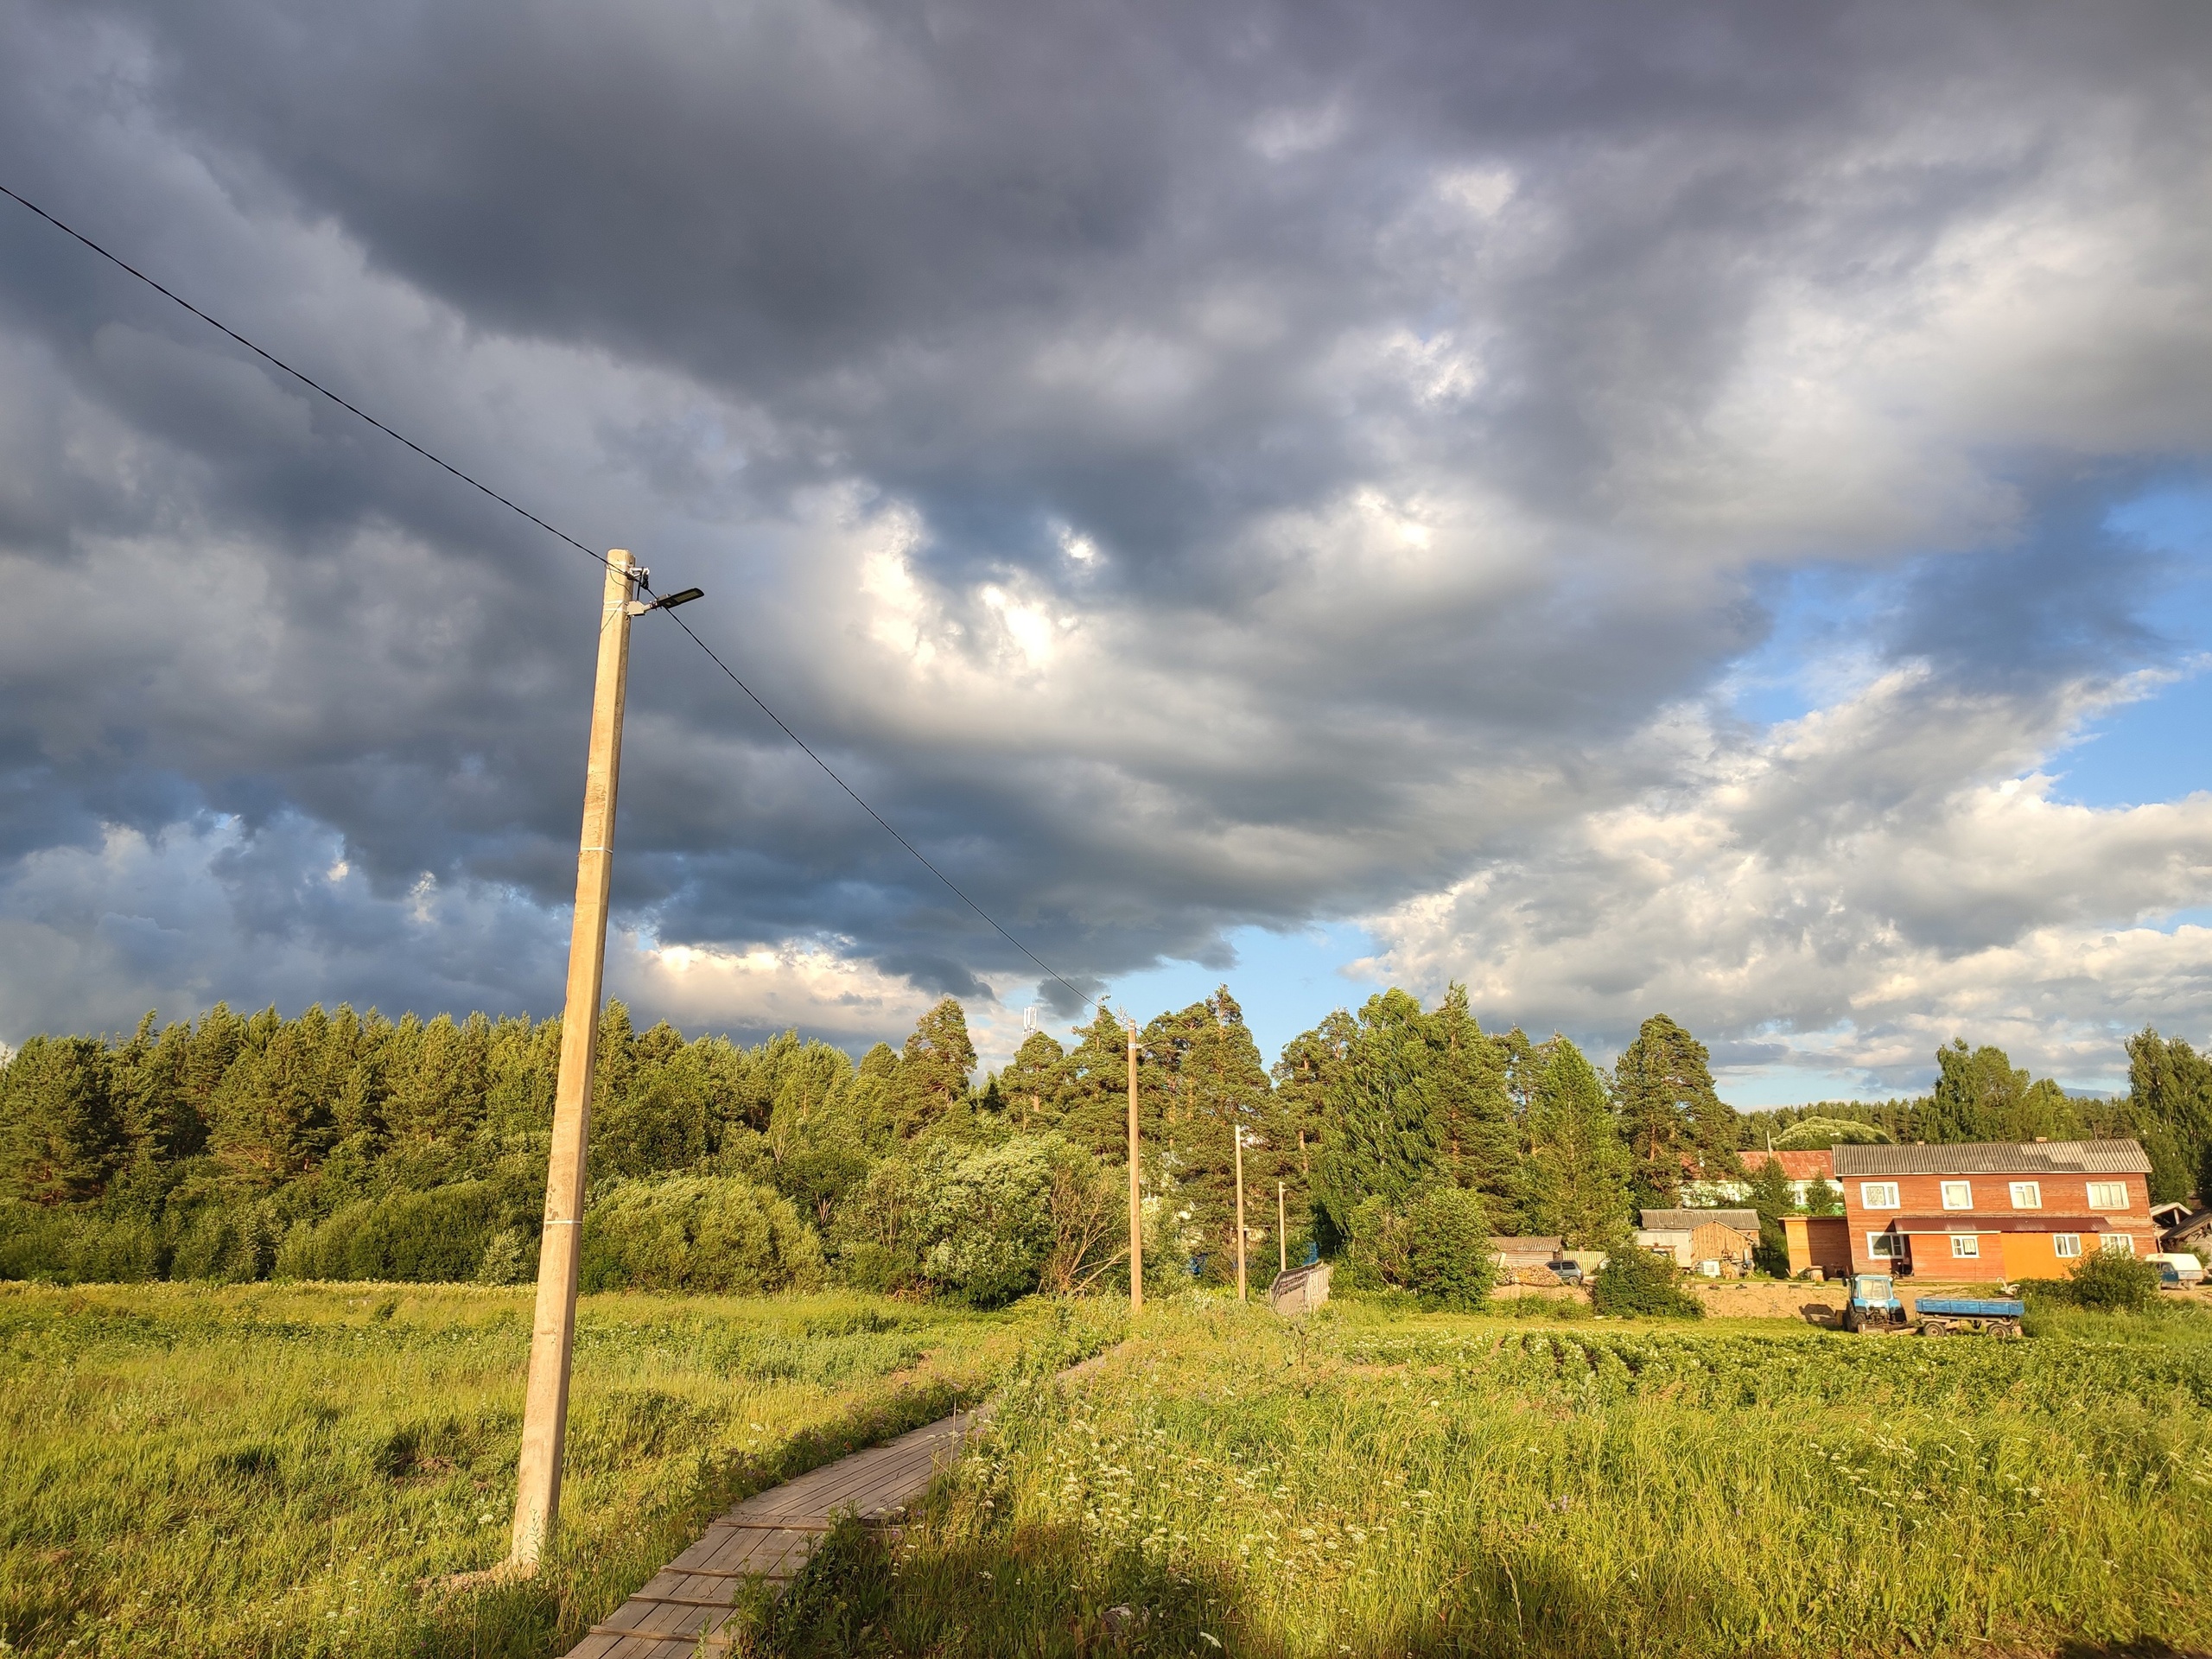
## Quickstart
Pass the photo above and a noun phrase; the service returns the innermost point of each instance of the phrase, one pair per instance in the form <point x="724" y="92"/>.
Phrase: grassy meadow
<point x="1381" y="1484"/>
<point x="273" y="1468"/>
<point x="304" y="1468"/>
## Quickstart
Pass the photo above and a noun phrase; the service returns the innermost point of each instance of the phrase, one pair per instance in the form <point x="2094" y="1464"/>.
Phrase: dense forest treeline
<point x="337" y="1145"/>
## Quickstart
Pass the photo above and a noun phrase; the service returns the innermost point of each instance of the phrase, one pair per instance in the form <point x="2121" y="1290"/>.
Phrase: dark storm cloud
<point x="1189" y="466"/>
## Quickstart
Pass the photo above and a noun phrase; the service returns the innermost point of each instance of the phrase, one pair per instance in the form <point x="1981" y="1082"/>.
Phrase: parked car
<point x="2178" y="1269"/>
<point x="1568" y="1273"/>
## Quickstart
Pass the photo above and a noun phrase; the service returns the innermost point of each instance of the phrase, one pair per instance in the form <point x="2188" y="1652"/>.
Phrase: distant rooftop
<point x="1688" y="1221"/>
<point x="1996" y="1158"/>
<point x="1814" y="1166"/>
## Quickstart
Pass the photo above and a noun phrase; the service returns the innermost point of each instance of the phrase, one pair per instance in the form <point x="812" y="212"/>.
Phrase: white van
<point x="2187" y="1269"/>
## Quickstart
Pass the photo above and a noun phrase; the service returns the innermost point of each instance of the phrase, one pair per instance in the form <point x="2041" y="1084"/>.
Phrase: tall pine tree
<point x="1031" y="1081"/>
<point x="933" y="1070"/>
<point x="1380" y="1140"/>
<point x="61" y="1132"/>
<point x="1673" y="1121"/>
<point x="1579" y="1164"/>
<point x="1479" y="1140"/>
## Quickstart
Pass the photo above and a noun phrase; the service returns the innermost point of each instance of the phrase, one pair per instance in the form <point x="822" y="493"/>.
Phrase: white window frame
<point x="2027" y="1195"/>
<point x="1965" y="1247"/>
<point x="1883" y="1247"/>
<point x="1879" y="1195"/>
<point x="1958" y="1194"/>
<point x="2118" y="1243"/>
<point x="2066" y="1246"/>
<point x="2114" y="1197"/>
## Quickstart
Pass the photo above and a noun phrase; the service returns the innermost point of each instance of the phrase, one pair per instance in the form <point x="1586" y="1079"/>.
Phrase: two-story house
<point x="1993" y="1210"/>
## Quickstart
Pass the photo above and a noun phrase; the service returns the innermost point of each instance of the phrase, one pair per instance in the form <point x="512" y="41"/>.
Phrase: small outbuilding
<point x="1690" y="1236"/>
<point x="1822" y="1241"/>
<point x="1526" y="1251"/>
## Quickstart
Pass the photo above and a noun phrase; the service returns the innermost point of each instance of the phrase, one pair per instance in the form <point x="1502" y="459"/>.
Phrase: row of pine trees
<point x="211" y="1144"/>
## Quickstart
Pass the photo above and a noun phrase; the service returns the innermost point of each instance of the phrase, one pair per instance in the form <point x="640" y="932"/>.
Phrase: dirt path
<point x="769" y="1536"/>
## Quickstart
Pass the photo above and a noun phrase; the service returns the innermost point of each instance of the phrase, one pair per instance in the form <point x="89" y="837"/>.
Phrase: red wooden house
<point x="1993" y="1210"/>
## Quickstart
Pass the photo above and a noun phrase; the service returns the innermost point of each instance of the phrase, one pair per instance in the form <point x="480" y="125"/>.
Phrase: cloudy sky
<point x="1699" y="508"/>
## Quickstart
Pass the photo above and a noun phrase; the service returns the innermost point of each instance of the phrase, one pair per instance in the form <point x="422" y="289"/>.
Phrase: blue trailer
<point x="1944" y="1316"/>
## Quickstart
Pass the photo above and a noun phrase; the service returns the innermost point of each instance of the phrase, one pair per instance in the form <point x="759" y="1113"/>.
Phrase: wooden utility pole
<point x="1136" y="1190"/>
<point x="1239" y="1130"/>
<point x="1282" y="1233"/>
<point x="545" y="1409"/>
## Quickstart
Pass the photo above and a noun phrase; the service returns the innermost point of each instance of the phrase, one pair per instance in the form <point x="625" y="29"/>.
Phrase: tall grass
<point x="291" y="1470"/>
<point x="1467" y="1485"/>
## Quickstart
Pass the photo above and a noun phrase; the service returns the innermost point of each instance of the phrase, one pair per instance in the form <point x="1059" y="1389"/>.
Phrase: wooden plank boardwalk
<point x="769" y="1536"/>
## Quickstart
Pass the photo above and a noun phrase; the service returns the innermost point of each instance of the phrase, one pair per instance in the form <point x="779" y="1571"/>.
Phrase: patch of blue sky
<point x="1825" y="641"/>
<point x="2197" y="916"/>
<point x="1286" y="982"/>
<point x="1755" y="1088"/>
<point x="1819" y="645"/>
<point x="2154" y="748"/>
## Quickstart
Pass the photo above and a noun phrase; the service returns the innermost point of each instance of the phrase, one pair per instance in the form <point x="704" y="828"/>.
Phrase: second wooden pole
<point x="1136" y="1190"/>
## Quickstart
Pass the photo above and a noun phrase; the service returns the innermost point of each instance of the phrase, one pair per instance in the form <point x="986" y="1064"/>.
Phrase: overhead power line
<point x="312" y="385"/>
<point x="354" y="408"/>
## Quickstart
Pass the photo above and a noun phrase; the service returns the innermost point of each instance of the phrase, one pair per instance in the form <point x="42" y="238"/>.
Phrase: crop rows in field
<point x="1735" y="1371"/>
<point x="1452" y="1486"/>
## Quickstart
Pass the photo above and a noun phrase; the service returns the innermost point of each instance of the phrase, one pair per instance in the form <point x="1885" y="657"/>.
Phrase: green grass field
<point x="1411" y="1485"/>
<point x="292" y="1469"/>
<point x="298" y="1469"/>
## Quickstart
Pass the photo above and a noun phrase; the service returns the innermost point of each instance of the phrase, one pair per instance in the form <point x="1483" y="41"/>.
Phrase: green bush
<point x="700" y="1233"/>
<point x="437" y="1236"/>
<point x="1447" y="1255"/>
<point x="2111" y="1282"/>
<point x="880" y="1231"/>
<point x="231" y="1243"/>
<point x="990" y="1222"/>
<point x="1641" y="1284"/>
<point x="1435" y="1247"/>
<point x="74" y="1246"/>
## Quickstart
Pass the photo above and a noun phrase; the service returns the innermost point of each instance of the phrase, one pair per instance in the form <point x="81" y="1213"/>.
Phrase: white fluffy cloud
<point x="1845" y="892"/>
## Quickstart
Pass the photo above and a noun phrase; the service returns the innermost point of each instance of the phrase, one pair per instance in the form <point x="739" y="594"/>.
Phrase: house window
<point x="1958" y="1194"/>
<point x="2066" y="1245"/>
<point x="2108" y="1195"/>
<point x="1877" y="1195"/>
<point x="1965" y="1244"/>
<point x="2118" y="1243"/>
<point x="2027" y="1195"/>
<point x="1883" y="1247"/>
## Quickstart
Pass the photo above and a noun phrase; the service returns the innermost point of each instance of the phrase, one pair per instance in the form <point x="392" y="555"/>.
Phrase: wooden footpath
<point x="769" y="1536"/>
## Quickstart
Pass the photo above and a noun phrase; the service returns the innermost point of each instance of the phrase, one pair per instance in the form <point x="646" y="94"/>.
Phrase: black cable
<point x="315" y="385"/>
<point x="601" y="558"/>
<point x="866" y="808"/>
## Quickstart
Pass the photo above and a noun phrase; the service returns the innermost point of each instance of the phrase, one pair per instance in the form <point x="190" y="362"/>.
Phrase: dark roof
<point x="1996" y="1158"/>
<point x="2191" y="1228"/>
<point x="1688" y="1221"/>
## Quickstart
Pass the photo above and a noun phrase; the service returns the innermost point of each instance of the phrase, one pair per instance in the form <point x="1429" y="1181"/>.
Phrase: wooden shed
<point x="1822" y="1241"/>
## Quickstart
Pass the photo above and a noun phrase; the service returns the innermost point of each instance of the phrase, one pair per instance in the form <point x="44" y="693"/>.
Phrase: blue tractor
<point x="1873" y="1305"/>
